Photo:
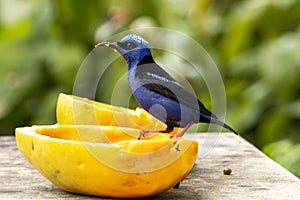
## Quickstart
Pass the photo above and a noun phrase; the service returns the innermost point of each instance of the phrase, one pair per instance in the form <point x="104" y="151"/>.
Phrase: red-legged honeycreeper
<point x="159" y="93"/>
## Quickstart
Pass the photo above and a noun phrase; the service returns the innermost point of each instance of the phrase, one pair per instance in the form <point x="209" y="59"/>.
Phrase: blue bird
<point x="159" y="93"/>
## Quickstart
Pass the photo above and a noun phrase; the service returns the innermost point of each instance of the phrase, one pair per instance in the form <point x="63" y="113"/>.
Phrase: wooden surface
<point x="254" y="176"/>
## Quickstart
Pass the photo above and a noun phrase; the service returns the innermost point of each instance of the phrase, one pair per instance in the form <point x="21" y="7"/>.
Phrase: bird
<point x="157" y="91"/>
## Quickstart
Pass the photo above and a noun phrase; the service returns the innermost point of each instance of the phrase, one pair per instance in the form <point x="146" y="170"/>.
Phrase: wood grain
<point x="253" y="176"/>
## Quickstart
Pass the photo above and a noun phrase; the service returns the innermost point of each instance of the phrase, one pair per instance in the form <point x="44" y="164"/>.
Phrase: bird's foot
<point x="143" y="133"/>
<point x="182" y="132"/>
<point x="165" y="131"/>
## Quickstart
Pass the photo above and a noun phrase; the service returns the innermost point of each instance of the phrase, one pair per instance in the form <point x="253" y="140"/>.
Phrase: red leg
<point x="166" y="131"/>
<point x="143" y="133"/>
<point x="182" y="132"/>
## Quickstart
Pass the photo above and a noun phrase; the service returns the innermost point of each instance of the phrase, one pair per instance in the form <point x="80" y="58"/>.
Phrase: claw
<point x="143" y="133"/>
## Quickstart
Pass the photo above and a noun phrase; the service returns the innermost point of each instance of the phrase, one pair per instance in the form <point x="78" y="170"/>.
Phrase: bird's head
<point x="132" y="47"/>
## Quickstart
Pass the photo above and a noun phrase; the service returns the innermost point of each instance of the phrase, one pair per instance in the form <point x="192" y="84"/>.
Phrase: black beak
<point x="113" y="45"/>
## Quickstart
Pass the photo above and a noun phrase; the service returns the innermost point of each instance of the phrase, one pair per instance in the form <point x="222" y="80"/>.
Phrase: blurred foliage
<point x="254" y="43"/>
<point x="285" y="152"/>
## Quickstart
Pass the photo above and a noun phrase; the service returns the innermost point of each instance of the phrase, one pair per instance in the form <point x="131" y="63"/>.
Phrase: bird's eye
<point x="128" y="45"/>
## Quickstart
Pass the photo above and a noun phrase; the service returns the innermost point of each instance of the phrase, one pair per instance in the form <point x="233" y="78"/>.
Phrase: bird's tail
<point x="218" y="122"/>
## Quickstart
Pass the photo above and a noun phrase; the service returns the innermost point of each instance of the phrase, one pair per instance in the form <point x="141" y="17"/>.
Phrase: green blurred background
<point x="255" y="44"/>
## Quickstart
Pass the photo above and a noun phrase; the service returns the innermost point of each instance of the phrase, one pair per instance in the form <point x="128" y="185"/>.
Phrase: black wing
<point x="154" y="78"/>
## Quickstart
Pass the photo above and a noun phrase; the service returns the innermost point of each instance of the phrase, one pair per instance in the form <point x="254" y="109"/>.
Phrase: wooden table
<point x="254" y="176"/>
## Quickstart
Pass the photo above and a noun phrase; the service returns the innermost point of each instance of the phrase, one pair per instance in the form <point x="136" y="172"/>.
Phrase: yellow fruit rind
<point x="72" y="162"/>
<point x="76" y="110"/>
